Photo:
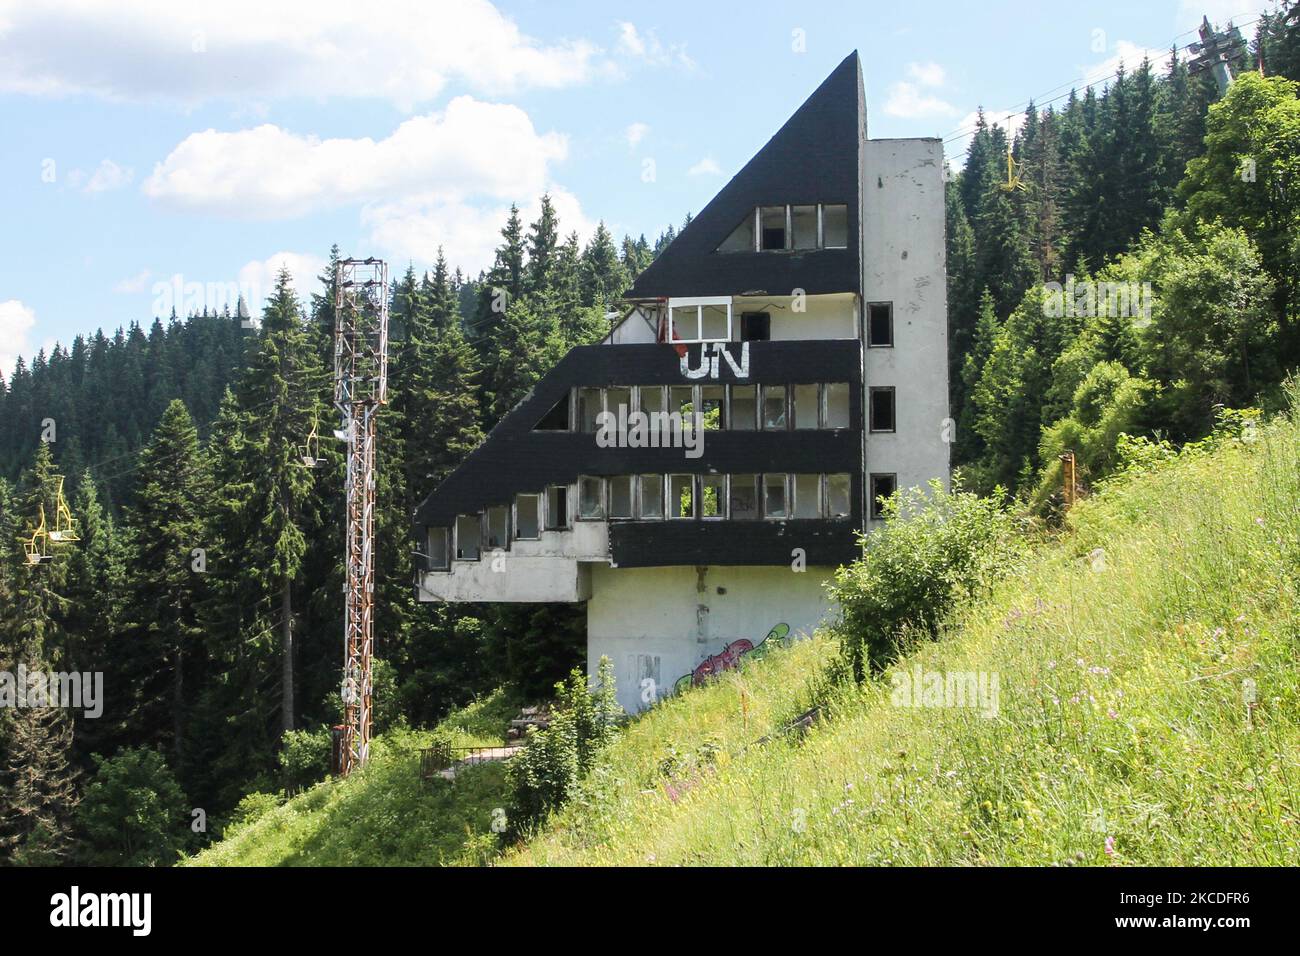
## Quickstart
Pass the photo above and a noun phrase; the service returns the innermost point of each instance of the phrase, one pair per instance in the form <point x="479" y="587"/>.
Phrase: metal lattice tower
<point x="360" y="388"/>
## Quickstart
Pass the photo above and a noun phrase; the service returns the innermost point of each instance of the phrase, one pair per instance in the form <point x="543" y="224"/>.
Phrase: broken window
<point x="589" y="407"/>
<point x="772" y="227"/>
<point x="616" y="398"/>
<point x="837" y="405"/>
<point x="755" y="327"/>
<point x="715" y="323"/>
<point x="882" y="488"/>
<point x="620" y="496"/>
<point x="713" y="496"/>
<point x="528" y="516"/>
<point x="838" y="491"/>
<point x="681" y="401"/>
<point x="700" y="319"/>
<point x="557" y="419"/>
<point x="498" y="525"/>
<point x="835" y="227"/>
<point x="557" y="507"/>
<point x="469" y="537"/>
<point x="711" y="402"/>
<point x="744" y="497"/>
<point x="742" y="237"/>
<point x="437" y="549"/>
<point x="591" y="498"/>
<point x="774" y="407"/>
<point x="774" y="504"/>
<point x="882" y="408"/>
<point x="652" y="496"/>
<point x="744" y="408"/>
<point x="807" y="406"/>
<point x="807" y="496"/>
<point x="681" y="496"/>
<point x="880" y="324"/>
<point x="651" y="398"/>
<point x="803" y="222"/>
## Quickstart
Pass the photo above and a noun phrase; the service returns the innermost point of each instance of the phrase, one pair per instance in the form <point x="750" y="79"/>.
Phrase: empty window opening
<point x="774" y="407"/>
<point x="774" y="503"/>
<point x="651" y="497"/>
<point x="742" y="237"/>
<point x="700" y="319"/>
<point x="882" y="408"/>
<point x="591" y="498"/>
<point x="712" y="399"/>
<point x="437" y="549"/>
<point x="620" y="496"/>
<point x="772" y="226"/>
<point x="528" y="516"/>
<point x="806" y="406"/>
<point x="681" y="496"/>
<point x="650" y="398"/>
<point x="837" y="405"/>
<point x="835" y="227"/>
<point x="838" y="491"/>
<point x="715" y="323"/>
<point x="469" y="537"/>
<point x="589" y="407"/>
<point x="882" y="489"/>
<point x="880" y="325"/>
<point x="713" y="496"/>
<point x="755" y="327"/>
<point x="498" y="525"/>
<point x="807" y="496"/>
<point x="681" y="401"/>
<point x="803" y="221"/>
<point x="744" y="408"/>
<point x="744" y="497"/>
<point x="616" y="398"/>
<point x="557" y="419"/>
<point x="557" y="507"/>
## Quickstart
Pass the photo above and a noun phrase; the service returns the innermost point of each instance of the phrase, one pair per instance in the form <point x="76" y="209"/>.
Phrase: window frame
<point x="455" y="538"/>
<point x="826" y="496"/>
<point x="568" y="509"/>
<point x="872" y="507"/>
<point x="695" y="497"/>
<point x="698" y="302"/>
<point x="880" y="345"/>
<point x="602" y="495"/>
<point x="724" y="500"/>
<point x="541" y="520"/>
<point x="447" y="550"/>
<point x="785" y="481"/>
<point x="639" y="509"/>
<point x="871" y="409"/>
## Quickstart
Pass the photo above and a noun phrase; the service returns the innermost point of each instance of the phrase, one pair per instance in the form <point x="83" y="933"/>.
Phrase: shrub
<point x="304" y="758"/>
<point x="936" y="549"/>
<point x="251" y="808"/>
<point x="547" y="772"/>
<point x="134" y="813"/>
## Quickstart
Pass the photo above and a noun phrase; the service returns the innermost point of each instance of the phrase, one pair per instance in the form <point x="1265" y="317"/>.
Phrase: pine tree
<point x="543" y="242"/>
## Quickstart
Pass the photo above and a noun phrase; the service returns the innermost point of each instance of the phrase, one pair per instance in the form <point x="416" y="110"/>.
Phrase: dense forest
<point x="206" y="581"/>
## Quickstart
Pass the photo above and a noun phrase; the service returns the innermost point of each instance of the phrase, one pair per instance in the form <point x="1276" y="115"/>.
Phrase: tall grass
<point x="1149" y="711"/>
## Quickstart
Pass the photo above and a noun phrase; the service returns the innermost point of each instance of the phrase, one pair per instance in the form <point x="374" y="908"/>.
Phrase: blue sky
<point x="156" y="153"/>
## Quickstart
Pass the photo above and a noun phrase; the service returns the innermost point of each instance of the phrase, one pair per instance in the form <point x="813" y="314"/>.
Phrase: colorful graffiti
<point x="730" y="657"/>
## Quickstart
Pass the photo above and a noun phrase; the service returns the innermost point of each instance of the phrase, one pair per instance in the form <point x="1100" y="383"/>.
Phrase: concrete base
<point x="666" y="628"/>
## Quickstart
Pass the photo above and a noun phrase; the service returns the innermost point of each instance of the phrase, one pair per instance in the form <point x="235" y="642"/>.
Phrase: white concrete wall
<point x="662" y="623"/>
<point x="903" y="243"/>
<point x="823" y="316"/>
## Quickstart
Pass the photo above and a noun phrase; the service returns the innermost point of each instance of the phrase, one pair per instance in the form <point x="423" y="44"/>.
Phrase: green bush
<point x="251" y="808"/>
<point x="547" y="772"/>
<point x="304" y="758"/>
<point x="134" y="813"/>
<point x="935" y="549"/>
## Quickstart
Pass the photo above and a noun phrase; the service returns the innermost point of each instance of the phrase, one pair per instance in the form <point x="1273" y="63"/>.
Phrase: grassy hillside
<point x="1128" y="729"/>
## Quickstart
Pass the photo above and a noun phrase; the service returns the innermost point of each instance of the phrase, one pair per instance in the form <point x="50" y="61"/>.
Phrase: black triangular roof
<point x="815" y="157"/>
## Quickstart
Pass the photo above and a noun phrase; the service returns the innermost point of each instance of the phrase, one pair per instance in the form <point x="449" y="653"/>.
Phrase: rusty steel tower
<point x="360" y="388"/>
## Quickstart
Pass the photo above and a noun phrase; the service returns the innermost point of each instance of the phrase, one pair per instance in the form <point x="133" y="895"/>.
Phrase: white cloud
<point x="133" y="284"/>
<point x="258" y="277"/>
<point x="927" y="74"/>
<point x="470" y="149"/>
<point x="407" y="52"/>
<point x="1127" y="53"/>
<point x="108" y="175"/>
<point x="635" y="133"/>
<point x="705" y="167"/>
<point x="646" y="46"/>
<point x="906" y="101"/>
<point x="16" y="323"/>
<point x="414" y="227"/>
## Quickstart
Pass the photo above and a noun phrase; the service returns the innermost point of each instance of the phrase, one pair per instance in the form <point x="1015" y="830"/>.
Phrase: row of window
<point x="652" y="498"/>
<point x="791" y="228"/>
<point x="734" y="407"/>
<point x="710" y="319"/>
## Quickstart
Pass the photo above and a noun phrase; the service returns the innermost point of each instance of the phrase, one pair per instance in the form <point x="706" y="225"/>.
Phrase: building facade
<point x="696" y="477"/>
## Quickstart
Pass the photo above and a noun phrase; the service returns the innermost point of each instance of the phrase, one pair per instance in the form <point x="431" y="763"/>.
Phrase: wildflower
<point x="1110" y="846"/>
<point x="1051" y="665"/>
<point x="1111" y="714"/>
<point x="1080" y="661"/>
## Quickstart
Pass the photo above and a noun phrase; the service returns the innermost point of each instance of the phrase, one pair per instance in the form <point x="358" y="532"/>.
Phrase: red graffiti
<point x="725" y="661"/>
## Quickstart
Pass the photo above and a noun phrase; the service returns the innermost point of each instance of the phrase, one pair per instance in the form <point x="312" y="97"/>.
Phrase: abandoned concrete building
<point x="696" y="477"/>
